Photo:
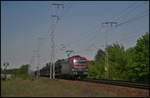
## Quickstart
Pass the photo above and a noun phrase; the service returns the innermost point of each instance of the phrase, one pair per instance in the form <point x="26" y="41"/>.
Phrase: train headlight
<point x="74" y="61"/>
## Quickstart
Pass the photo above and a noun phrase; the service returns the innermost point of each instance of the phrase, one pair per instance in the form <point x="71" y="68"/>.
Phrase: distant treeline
<point x="130" y="64"/>
<point x="20" y="72"/>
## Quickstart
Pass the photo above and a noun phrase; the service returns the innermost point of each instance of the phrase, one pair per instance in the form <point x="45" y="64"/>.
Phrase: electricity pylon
<point x="55" y="18"/>
<point x="108" y="24"/>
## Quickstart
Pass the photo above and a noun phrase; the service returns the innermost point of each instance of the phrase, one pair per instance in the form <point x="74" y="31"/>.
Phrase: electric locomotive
<point x="74" y="67"/>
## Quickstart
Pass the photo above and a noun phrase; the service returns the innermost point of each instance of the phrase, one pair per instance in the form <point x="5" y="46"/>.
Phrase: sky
<point x="26" y="27"/>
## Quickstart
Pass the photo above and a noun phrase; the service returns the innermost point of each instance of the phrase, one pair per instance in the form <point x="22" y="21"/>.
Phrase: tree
<point x="22" y="71"/>
<point x="100" y="63"/>
<point x="129" y="65"/>
<point x="96" y="67"/>
<point x="117" y="62"/>
<point x="100" y="56"/>
<point x="92" y="70"/>
<point x="139" y="68"/>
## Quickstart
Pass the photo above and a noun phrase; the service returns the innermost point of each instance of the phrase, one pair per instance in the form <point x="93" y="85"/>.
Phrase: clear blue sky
<point x="22" y="22"/>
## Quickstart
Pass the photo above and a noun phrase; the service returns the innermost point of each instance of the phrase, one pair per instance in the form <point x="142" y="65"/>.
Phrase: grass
<point x="46" y="88"/>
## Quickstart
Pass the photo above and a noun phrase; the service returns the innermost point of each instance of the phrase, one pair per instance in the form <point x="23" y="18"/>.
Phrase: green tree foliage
<point x="131" y="64"/>
<point x="100" y="63"/>
<point x="96" y="67"/>
<point x="92" y="70"/>
<point x="100" y="56"/>
<point x="138" y="61"/>
<point x="23" y="69"/>
<point x="117" y="62"/>
<point x="130" y="53"/>
<point x="21" y="72"/>
<point x="9" y="71"/>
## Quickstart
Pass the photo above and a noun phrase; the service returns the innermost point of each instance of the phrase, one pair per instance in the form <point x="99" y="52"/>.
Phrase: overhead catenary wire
<point x="100" y="29"/>
<point x="127" y="11"/>
<point x="90" y="33"/>
<point x="93" y="38"/>
<point x="125" y="22"/>
<point x="126" y="39"/>
<point x="142" y="15"/>
<point x="132" y="19"/>
<point x="128" y="21"/>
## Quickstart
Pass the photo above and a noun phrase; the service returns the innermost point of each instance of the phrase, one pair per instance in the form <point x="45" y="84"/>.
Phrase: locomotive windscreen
<point x="78" y="61"/>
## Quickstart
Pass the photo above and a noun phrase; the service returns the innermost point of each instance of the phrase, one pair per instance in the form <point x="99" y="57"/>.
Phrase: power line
<point x="128" y="7"/>
<point x="116" y="19"/>
<point x="101" y="27"/>
<point x="107" y="30"/>
<point x="132" y="19"/>
<point x="142" y="15"/>
<point x="122" y="11"/>
<point x="128" y="21"/>
<point x="126" y="13"/>
<point x="126" y="39"/>
<point x="122" y="18"/>
<point x="101" y="2"/>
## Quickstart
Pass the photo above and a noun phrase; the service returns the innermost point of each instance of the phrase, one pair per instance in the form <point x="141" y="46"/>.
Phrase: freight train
<point x="72" y="67"/>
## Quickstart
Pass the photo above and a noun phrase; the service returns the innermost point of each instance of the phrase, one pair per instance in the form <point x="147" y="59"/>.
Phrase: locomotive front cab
<point x="79" y="66"/>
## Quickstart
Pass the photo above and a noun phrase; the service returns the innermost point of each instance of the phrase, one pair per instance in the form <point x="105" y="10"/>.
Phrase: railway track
<point x="118" y="83"/>
<point x="113" y="82"/>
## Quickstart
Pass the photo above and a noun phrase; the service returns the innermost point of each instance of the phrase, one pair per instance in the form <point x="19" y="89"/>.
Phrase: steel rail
<point x="118" y="83"/>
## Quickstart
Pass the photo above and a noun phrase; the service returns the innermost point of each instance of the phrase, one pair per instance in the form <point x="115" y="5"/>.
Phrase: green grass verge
<point x="44" y="87"/>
